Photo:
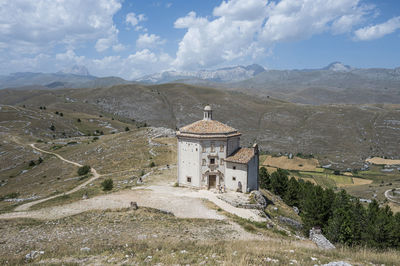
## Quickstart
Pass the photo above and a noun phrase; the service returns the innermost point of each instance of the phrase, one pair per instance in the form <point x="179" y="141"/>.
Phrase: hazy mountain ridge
<point x="228" y="74"/>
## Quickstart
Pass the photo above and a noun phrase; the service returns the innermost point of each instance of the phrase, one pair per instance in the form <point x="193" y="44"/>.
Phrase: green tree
<point x="292" y="193"/>
<point x="107" y="184"/>
<point x="279" y="182"/>
<point x="52" y="127"/>
<point x="265" y="178"/>
<point x="340" y="226"/>
<point x="127" y="129"/>
<point x="83" y="170"/>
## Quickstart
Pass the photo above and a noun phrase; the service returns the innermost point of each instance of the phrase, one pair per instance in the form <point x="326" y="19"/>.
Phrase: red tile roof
<point x="242" y="155"/>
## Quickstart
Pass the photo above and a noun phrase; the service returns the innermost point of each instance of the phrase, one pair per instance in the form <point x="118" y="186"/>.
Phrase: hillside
<point x="72" y="220"/>
<point x="341" y="135"/>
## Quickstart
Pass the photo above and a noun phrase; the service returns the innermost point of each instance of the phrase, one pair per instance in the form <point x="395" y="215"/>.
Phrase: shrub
<point x="107" y="184"/>
<point x="83" y="170"/>
<point x="127" y="129"/>
<point x="52" y="128"/>
<point x="61" y="114"/>
<point x="32" y="163"/>
<point x="152" y="164"/>
<point x="40" y="160"/>
<point x="79" y="120"/>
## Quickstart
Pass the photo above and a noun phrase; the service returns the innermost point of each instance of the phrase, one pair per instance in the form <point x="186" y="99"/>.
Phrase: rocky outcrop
<point x="290" y="222"/>
<point x="319" y="239"/>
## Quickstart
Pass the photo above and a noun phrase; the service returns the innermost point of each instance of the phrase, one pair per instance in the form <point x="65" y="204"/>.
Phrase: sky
<point x="132" y="38"/>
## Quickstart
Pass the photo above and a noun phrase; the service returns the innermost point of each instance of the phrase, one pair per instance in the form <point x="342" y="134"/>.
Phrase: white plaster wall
<point x="189" y="152"/>
<point x="253" y="173"/>
<point x="240" y="173"/>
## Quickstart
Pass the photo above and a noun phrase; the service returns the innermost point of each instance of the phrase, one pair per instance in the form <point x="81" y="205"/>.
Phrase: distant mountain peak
<point x="226" y="74"/>
<point x="76" y="70"/>
<point x="338" y="66"/>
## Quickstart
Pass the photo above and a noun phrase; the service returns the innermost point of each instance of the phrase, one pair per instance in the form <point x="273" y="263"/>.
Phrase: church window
<point x="204" y="161"/>
<point x="212" y="161"/>
<point x="189" y="179"/>
<point x="233" y="178"/>
<point x="221" y="147"/>
<point x="234" y="167"/>
<point x="212" y="147"/>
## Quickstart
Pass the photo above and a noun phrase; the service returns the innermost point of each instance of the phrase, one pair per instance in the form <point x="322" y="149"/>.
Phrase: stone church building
<point x="210" y="156"/>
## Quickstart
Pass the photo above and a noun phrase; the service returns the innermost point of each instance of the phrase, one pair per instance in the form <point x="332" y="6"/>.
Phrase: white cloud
<point x="134" y="20"/>
<point x="249" y="28"/>
<point x="149" y="40"/>
<point x="291" y="20"/>
<point x="133" y="66"/>
<point x="34" y="26"/>
<point x="377" y="31"/>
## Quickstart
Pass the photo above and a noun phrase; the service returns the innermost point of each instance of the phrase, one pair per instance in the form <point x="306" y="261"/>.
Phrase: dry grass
<point x="296" y="163"/>
<point x="381" y="161"/>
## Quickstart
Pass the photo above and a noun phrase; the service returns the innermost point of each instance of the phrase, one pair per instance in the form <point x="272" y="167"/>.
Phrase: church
<point x="210" y="156"/>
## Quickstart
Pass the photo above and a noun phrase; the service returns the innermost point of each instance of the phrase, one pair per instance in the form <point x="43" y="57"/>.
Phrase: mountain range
<point x="335" y="83"/>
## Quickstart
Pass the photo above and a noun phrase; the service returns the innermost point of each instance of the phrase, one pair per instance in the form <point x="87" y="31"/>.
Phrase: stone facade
<point x="210" y="156"/>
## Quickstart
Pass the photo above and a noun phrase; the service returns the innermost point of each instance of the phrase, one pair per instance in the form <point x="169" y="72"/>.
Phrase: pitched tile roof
<point x="207" y="127"/>
<point x="242" y="155"/>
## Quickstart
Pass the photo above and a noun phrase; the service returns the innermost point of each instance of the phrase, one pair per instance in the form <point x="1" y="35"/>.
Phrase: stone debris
<point x="319" y="239"/>
<point x="271" y="260"/>
<point x="134" y="205"/>
<point x="290" y="222"/>
<point x="337" y="263"/>
<point x="85" y="249"/>
<point x="33" y="254"/>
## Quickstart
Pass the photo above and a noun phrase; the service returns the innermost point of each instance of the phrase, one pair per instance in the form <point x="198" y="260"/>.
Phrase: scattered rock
<point x="337" y="263"/>
<point x="148" y="258"/>
<point x="290" y="222"/>
<point x="33" y="254"/>
<point x="85" y="249"/>
<point x="296" y="210"/>
<point x="319" y="239"/>
<point x="134" y="205"/>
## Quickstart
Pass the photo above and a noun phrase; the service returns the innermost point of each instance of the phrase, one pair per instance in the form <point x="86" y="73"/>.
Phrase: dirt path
<point x="182" y="202"/>
<point x="390" y="197"/>
<point x="26" y="206"/>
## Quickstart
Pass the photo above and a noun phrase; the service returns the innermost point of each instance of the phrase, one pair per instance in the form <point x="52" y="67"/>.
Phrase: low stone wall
<point x="242" y="205"/>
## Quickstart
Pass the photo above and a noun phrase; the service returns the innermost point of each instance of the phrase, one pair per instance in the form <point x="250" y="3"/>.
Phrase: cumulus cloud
<point x="377" y="31"/>
<point x="133" y="20"/>
<point x="133" y="66"/>
<point x="31" y="26"/>
<point x="149" y="40"/>
<point x="243" y="28"/>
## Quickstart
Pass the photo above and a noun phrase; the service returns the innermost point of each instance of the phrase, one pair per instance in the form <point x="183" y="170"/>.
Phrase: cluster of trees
<point x="33" y="163"/>
<point x="342" y="218"/>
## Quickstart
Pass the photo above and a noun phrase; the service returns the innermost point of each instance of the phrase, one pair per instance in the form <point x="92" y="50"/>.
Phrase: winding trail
<point x="183" y="202"/>
<point x="390" y="197"/>
<point x="26" y="206"/>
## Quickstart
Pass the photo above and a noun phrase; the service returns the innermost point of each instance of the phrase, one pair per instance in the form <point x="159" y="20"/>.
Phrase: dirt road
<point x="95" y="175"/>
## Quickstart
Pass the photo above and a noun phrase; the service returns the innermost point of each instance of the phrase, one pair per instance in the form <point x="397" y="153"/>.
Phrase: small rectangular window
<point x="234" y="168"/>
<point x="204" y="162"/>
<point x="189" y="179"/>
<point x="233" y="178"/>
<point x="221" y="148"/>
<point x="212" y="161"/>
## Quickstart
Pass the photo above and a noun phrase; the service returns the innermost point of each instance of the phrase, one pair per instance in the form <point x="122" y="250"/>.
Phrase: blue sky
<point x="133" y="38"/>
